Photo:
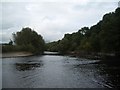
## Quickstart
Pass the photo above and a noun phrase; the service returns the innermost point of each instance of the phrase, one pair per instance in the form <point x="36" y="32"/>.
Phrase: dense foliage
<point x="102" y="37"/>
<point x="29" y="40"/>
<point x="26" y="40"/>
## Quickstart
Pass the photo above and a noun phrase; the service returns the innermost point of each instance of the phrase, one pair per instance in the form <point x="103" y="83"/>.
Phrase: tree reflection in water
<point x="111" y="73"/>
<point x="106" y="73"/>
<point x="27" y="66"/>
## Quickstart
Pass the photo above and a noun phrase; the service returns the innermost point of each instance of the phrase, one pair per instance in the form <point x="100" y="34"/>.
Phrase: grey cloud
<point x="51" y="19"/>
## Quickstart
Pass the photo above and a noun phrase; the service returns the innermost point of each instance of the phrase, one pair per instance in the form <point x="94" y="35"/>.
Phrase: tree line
<point x="102" y="37"/>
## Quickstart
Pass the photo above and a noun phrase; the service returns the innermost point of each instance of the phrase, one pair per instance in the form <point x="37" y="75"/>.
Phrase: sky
<point x="51" y="18"/>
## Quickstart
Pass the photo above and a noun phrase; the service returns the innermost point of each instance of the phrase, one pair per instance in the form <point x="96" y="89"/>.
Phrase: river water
<point x="56" y="71"/>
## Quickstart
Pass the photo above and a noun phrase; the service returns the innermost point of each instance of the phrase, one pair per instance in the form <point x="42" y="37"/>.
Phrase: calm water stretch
<point x="55" y="71"/>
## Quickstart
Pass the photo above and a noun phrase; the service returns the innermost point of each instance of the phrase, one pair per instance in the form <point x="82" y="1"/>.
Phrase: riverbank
<point x="15" y="54"/>
<point x="94" y="55"/>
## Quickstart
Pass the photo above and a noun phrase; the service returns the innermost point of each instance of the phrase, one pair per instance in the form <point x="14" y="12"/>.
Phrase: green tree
<point x="110" y="32"/>
<point x="64" y="45"/>
<point x="29" y="40"/>
<point x="10" y="42"/>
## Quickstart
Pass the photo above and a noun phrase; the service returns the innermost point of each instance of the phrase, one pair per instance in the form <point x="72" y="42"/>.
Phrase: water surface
<point x="55" y="71"/>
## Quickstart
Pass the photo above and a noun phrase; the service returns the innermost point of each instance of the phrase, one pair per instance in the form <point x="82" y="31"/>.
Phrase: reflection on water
<point x="111" y="74"/>
<point x="54" y="71"/>
<point x="27" y="66"/>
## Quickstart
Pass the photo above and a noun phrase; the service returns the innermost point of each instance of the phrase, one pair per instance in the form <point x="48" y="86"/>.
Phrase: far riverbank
<point x="15" y="54"/>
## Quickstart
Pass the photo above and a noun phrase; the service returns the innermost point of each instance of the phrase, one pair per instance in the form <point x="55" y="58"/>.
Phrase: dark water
<point x="53" y="71"/>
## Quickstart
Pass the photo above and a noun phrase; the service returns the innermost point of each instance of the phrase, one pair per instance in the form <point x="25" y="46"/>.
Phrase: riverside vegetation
<point x="102" y="38"/>
<point x="25" y="40"/>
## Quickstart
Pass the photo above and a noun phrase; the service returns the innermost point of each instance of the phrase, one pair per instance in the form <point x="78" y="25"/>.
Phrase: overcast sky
<point x="51" y="18"/>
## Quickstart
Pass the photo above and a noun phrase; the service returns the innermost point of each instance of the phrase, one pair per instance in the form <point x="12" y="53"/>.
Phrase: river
<point x="57" y="71"/>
